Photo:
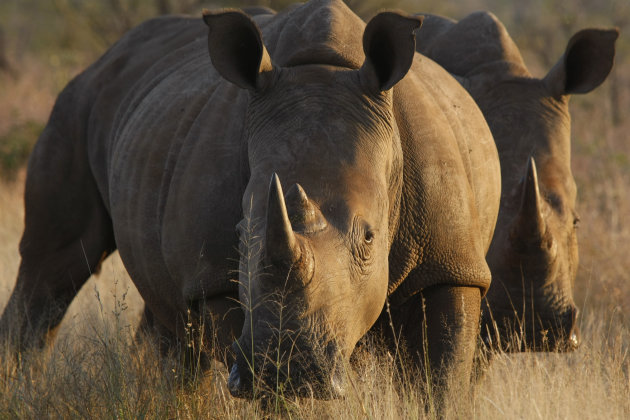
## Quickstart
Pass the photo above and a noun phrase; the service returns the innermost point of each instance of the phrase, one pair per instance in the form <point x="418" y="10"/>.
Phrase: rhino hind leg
<point x="67" y="234"/>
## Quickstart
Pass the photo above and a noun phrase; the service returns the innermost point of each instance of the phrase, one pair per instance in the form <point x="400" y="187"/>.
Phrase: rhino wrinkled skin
<point x="534" y="255"/>
<point x="296" y="156"/>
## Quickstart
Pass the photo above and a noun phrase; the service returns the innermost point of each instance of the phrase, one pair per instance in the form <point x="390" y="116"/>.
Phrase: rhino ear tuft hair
<point x="586" y="62"/>
<point x="236" y="48"/>
<point x="389" y="44"/>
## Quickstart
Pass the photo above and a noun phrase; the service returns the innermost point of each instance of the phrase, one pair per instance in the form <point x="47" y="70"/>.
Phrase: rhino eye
<point x="369" y="236"/>
<point x="576" y="222"/>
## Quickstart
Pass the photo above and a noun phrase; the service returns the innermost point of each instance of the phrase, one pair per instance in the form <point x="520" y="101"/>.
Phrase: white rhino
<point x="178" y="159"/>
<point x="534" y="255"/>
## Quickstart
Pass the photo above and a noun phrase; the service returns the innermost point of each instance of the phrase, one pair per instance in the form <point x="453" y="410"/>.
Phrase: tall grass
<point x="96" y="369"/>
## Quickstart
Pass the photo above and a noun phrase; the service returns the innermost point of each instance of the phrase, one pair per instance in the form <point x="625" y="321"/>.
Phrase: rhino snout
<point x="555" y="331"/>
<point x="306" y="380"/>
<point x="338" y="383"/>
<point x="560" y="333"/>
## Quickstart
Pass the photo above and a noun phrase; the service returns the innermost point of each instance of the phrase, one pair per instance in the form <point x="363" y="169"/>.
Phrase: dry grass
<point x="95" y="369"/>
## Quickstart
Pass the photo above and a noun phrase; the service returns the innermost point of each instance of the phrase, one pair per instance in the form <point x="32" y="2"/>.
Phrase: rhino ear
<point x="236" y="48"/>
<point x="586" y="62"/>
<point x="389" y="44"/>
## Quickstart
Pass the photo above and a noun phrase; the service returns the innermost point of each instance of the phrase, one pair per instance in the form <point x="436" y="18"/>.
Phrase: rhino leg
<point x="219" y="319"/>
<point x="167" y="344"/>
<point x="439" y="328"/>
<point x="152" y="331"/>
<point x="67" y="234"/>
<point x="452" y="324"/>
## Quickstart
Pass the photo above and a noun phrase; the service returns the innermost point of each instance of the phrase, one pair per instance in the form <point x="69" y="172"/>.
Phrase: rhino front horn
<point x="529" y="224"/>
<point x="281" y="244"/>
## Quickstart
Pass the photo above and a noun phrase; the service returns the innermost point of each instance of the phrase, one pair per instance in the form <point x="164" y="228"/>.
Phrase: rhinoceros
<point x="534" y="254"/>
<point x="294" y="155"/>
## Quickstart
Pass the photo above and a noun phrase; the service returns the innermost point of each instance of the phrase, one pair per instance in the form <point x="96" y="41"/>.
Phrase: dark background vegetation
<point x="57" y="38"/>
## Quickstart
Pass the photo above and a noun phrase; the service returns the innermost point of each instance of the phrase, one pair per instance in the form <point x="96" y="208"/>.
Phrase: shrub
<point x="16" y="146"/>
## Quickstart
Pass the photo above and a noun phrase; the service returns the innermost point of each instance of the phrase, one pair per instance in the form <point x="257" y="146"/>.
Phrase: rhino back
<point x="471" y="45"/>
<point x="317" y="32"/>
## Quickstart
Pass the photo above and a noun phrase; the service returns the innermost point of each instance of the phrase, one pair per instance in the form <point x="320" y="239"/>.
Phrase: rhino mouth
<point x="308" y="374"/>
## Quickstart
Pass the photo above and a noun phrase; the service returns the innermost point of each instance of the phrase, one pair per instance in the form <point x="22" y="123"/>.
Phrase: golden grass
<point x="95" y="369"/>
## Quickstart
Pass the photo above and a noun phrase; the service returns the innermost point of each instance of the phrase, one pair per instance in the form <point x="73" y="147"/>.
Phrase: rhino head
<point x="320" y="205"/>
<point x="534" y="260"/>
<point x="534" y="253"/>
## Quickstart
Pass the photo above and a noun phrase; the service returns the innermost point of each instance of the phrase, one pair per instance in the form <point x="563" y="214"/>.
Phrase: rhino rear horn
<point x="281" y="244"/>
<point x="529" y="226"/>
<point x="305" y="216"/>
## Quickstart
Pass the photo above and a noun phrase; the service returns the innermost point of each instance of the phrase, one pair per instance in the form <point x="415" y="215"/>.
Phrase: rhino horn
<point x="281" y="244"/>
<point x="305" y="216"/>
<point x="529" y="225"/>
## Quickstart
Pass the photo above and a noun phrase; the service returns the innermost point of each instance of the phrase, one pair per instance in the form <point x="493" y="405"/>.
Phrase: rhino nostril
<point x="571" y="329"/>
<point x="306" y="390"/>
<point x="574" y="337"/>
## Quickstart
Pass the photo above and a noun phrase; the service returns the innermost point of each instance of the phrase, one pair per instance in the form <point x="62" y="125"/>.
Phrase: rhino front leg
<point x="449" y="336"/>
<point x="220" y="320"/>
<point x="439" y="328"/>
